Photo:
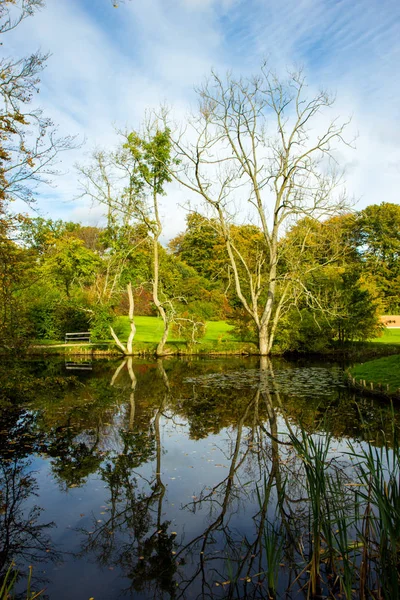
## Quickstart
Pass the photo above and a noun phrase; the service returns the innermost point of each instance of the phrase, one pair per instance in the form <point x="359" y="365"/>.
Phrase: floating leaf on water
<point x="301" y="382"/>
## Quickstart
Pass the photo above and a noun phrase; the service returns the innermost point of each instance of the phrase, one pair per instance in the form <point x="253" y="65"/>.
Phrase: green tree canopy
<point x="378" y="244"/>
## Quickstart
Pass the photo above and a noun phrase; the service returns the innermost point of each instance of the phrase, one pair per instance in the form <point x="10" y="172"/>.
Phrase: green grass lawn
<point x="390" y="336"/>
<point x="149" y="329"/>
<point x="384" y="370"/>
<point x="217" y="339"/>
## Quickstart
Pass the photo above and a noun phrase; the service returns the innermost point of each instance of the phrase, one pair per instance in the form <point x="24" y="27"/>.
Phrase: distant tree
<point x="17" y="272"/>
<point x="377" y="237"/>
<point x="338" y="303"/>
<point x="69" y="262"/>
<point x="202" y="247"/>
<point x="39" y="234"/>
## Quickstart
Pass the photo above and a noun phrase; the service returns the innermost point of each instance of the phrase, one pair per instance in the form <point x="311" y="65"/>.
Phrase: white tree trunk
<point x="128" y="349"/>
<point x="264" y="342"/>
<point x="161" y="310"/>
<point x="131" y="320"/>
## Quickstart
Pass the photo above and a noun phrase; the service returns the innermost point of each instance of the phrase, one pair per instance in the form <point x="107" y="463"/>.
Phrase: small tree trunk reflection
<point x="127" y="362"/>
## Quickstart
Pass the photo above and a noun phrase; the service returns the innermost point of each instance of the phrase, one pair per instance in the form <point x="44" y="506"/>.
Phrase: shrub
<point x="244" y="328"/>
<point x="53" y="320"/>
<point x="189" y="327"/>
<point x="101" y="320"/>
<point x="302" y="331"/>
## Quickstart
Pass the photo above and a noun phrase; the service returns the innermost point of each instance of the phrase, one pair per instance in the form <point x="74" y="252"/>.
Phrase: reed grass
<point x="9" y="583"/>
<point x="379" y="470"/>
<point x="353" y="526"/>
<point x="272" y="538"/>
<point x="313" y="454"/>
<point x="273" y="545"/>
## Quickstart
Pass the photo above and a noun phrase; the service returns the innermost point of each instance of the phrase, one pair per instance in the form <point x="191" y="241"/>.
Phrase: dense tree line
<point x="61" y="276"/>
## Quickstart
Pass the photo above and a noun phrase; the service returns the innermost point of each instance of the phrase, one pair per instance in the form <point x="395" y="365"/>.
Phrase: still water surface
<point x="159" y="479"/>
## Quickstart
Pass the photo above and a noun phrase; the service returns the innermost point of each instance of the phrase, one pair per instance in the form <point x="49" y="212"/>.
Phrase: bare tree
<point x="10" y="18"/>
<point x="253" y="149"/>
<point x="106" y="180"/>
<point x="128" y="349"/>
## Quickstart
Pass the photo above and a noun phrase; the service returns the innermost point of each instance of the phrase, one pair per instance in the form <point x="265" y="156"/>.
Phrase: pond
<point x="182" y="478"/>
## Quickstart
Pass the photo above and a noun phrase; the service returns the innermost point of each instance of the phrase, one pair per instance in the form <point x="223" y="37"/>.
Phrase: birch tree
<point x="151" y="153"/>
<point x="256" y="148"/>
<point x="130" y="182"/>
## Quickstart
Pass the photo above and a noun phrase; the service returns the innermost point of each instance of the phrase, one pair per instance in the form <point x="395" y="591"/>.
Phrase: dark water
<point x="160" y="479"/>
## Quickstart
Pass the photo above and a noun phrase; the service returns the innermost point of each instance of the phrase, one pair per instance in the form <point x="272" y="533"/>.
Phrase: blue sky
<point x="109" y="64"/>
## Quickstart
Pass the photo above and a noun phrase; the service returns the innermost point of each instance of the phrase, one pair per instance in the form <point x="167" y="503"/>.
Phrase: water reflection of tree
<point x="61" y="419"/>
<point x="134" y="536"/>
<point x="75" y="428"/>
<point x="220" y="499"/>
<point x="251" y="563"/>
<point x="256" y="451"/>
<point x="23" y="537"/>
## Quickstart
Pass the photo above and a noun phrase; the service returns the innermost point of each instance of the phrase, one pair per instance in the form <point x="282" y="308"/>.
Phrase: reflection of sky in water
<point x="194" y="473"/>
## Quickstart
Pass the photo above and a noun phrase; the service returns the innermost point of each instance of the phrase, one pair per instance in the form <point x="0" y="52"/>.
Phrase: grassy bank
<point x="385" y="345"/>
<point x="383" y="373"/>
<point x="218" y="339"/>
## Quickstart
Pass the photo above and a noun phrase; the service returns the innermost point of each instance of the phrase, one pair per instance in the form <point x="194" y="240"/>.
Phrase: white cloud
<point x="108" y="66"/>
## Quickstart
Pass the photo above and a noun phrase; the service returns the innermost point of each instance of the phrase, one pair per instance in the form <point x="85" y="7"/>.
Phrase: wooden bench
<point x="83" y="336"/>
<point x="79" y="366"/>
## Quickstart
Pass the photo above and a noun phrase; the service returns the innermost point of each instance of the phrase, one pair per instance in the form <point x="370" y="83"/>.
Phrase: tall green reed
<point x="379" y="470"/>
<point x="272" y="536"/>
<point x="314" y="454"/>
<point x="8" y="585"/>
